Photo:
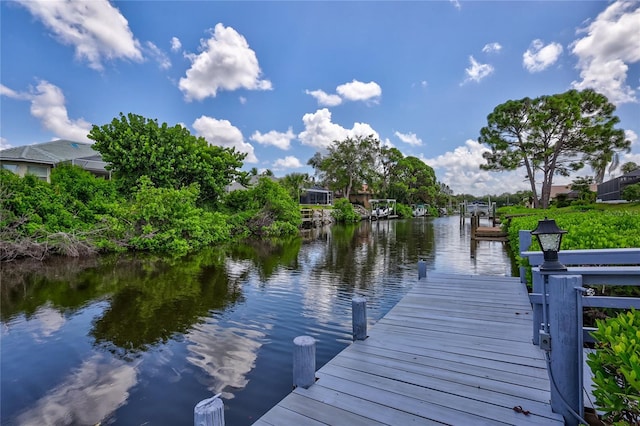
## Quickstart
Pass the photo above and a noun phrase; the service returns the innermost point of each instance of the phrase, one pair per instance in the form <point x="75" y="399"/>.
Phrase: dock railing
<point x="558" y="299"/>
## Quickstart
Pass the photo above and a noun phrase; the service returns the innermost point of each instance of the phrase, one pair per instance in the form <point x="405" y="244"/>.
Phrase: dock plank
<point x="455" y="350"/>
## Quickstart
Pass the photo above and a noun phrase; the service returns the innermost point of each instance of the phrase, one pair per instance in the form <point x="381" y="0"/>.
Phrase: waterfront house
<point x="40" y="159"/>
<point x="612" y="189"/>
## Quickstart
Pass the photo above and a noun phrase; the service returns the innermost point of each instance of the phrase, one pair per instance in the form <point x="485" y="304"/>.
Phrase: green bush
<point x="168" y="220"/>
<point x="616" y="368"/>
<point x="265" y="210"/>
<point x="631" y="192"/>
<point x="343" y="211"/>
<point x="403" y="210"/>
<point x="35" y="205"/>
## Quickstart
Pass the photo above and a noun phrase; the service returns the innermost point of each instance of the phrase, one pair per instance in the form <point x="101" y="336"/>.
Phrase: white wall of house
<point x="41" y="171"/>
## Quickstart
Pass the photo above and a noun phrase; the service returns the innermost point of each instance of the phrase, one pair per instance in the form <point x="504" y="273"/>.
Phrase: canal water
<point x="136" y="340"/>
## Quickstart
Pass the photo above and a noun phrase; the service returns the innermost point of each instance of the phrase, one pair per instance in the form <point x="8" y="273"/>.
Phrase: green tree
<point x="413" y="181"/>
<point x="389" y="159"/>
<point x="294" y="183"/>
<point x="348" y="164"/>
<point x="171" y="157"/>
<point x="583" y="186"/>
<point x="628" y="167"/>
<point x="551" y="135"/>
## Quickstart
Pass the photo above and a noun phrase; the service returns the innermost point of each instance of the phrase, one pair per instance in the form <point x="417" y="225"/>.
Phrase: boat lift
<point x="383" y="209"/>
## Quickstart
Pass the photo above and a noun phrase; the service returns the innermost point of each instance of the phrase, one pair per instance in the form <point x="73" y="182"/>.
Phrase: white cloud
<point x="224" y="134"/>
<point x="176" y="45"/>
<point x="359" y="91"/>
<point x="288" y="162"/>
<point x="273" y="138"/>
<point x="456" y="4"/>
<point x="48" y="105"/>
<point x="96" y="29"/>
<point x="477" y="71"/>
<point x="607" y="49"/>
<point x="492" y="47"/>
<point x="320" y="132"/>
<point x="324" y="99"/>
<point x="10" y="93"/>
<point x="225" y="63"/>
<point x="626" y="158"/>
<point x="4" y="144"/>
<point x="161" y="58"/>
<point x="630" y="135"/>
<point x="460" y="169"/>
<point x="242" y="100"/>
<point x="539" y="57"/>
<point x="409" y="138"/>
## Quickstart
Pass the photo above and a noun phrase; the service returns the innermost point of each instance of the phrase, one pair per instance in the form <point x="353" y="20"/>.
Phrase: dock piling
<point x="359" y="318"/>
<point x="209" y="412"/>
<point x="304" y="361"/>
<point x="422" y="269"/>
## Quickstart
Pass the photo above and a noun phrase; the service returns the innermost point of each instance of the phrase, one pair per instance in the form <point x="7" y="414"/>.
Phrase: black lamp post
<point x="549" y="236"/>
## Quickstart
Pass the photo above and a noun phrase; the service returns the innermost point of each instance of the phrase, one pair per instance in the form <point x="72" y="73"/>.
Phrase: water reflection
<point x="87" y="396"/>
<point x="226" y="354"/>
<point x="138" y="339"/>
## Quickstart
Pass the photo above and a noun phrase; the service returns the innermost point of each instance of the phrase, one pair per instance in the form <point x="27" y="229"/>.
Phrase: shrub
<point x="631" y="192"/>
<point x="403" y="210"/>
<point x="343" y="211"/>
<point x="166" y="219"/>
<point x="264" y="210"/>
<point x="616" y="368"/>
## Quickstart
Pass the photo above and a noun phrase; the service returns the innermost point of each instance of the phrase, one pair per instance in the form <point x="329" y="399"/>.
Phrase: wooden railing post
<point x="524" y="243"/>
<point x="565" y="360"/>
<point x="538" y="317"/>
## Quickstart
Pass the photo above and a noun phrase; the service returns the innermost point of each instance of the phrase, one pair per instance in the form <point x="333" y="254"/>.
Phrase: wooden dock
<point x="455" y="350"/>
<point x="489" y="233"/>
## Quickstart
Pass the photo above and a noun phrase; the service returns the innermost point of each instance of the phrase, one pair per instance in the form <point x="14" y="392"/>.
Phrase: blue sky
<point x="282" y="80"/>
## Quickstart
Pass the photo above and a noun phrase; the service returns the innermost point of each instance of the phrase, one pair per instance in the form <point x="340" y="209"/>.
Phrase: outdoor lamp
<point x="549" y="236"/>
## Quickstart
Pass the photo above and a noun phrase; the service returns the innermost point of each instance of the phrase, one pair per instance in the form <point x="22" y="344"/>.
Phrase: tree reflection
<point x="364" y="251"/>
<point x="161" y="299"/>
<point x="268" y="255"/>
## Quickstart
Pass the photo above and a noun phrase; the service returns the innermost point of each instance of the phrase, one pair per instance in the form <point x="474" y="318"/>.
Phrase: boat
<point x="478" y="208"/>
<point x="420" y="210"/>
<point x="383" y="209"/>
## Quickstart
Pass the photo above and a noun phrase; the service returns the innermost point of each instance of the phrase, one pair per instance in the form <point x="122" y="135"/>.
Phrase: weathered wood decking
<point x="455" y="350"/>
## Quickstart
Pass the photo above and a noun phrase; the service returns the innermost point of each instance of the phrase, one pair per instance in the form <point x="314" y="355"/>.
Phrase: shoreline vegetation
<point x="78" y="215"/>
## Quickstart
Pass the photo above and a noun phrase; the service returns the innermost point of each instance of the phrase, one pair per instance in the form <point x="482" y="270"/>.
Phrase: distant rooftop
<point x="53" y="152"/>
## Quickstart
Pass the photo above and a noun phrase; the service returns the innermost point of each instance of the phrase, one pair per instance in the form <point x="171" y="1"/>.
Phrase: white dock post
<point x="422" y="269"/>
<point x="209" y="412"/>
<point x="565" y="362"/>
<point x="359" y="317"/>
<point x="304" y="361"/>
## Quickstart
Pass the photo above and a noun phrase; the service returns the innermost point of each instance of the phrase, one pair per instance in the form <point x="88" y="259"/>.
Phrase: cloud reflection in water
<point x="87" y="397"/>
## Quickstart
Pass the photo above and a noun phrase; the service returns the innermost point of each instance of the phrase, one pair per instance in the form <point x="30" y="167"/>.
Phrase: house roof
<point x="55" y="152"/>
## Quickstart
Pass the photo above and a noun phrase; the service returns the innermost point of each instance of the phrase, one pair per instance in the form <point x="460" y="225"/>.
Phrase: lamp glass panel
<point x="550" y="241"/>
